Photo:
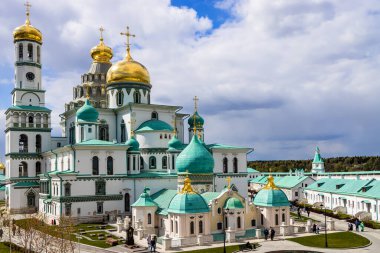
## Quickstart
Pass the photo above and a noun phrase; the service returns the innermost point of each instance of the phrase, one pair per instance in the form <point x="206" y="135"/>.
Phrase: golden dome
<point x="101" y="52"/>
<point x="2" y="166"/>
<point x="27" y="31"/>
<point x="128" y="70"/>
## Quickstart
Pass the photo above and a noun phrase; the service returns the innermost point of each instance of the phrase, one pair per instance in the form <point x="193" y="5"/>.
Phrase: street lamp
<point x="224" y="228"/>
<point x="79" y="237"/>
<point x="326" y="245"/>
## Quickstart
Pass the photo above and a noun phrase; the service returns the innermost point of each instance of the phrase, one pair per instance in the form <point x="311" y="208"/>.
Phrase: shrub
<point x="372" y="224"/>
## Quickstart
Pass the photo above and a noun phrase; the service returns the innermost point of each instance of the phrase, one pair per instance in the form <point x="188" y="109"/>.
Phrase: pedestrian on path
<point x="266" y="233"/>
<point x="308" y="212"/>
<point x="272" y="233"/>
<point x="314" y="228"/>
<point x="18" y="230"/>
<point x="14" y="229"/>
<point x="153" y="243"/>
<point x="357" y="222"/>
<point x="149" y="242"/>
<point x="1" y="234"/>
<point x="318" y="230"/>
<point x="361" y="226"/>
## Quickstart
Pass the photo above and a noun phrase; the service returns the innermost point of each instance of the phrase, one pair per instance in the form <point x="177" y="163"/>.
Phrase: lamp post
<point x="79" y="237"/>
<point x="224" y="228"/>
<point x="326" y="245"/>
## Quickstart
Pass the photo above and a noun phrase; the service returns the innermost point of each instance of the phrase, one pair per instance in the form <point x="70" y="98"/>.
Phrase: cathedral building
<point x="114" y="145"/>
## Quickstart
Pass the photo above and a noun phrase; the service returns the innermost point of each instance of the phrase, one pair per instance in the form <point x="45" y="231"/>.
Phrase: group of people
<point x="305" y="210"/>
<point x="269" y="232"/>
<point x="316" y="229"/>
<point x="151" y="240"/>
<point x="359" y="226"/>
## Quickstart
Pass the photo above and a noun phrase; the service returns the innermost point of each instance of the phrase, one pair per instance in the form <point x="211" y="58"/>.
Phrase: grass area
<point x="5" y="248"/>
<point x="303" y="218"/>
<point x="87" y="228"/>
<point x="229" y="249"/>
<point x="338" y="240"/>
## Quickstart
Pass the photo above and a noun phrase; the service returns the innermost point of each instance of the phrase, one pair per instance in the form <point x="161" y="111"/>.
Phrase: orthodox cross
<point x="228" y="179"/>
<point x="196" y="99"/>
<point x="101" y="29"/>
<point x="128" y="34"/>
<point x="27" y="5"/>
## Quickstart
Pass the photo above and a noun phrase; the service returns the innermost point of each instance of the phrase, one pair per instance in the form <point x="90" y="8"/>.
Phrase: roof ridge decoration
<point x="270" y="185"/>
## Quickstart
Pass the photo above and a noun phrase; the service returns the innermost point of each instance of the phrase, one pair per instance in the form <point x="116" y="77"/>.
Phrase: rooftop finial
<point x="196" y="99"/>
<point x="228" y="179"/>
<point x="132" y="122"/>
<point x="128" y="44"/>
<point x="175" y="126"/>
<point x="101" y="29"/>
<point x="270" y="184"/>
<point x="27" y="5"/>
<point x="187" y="186"/>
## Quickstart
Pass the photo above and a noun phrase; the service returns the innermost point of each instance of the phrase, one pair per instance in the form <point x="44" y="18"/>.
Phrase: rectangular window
<point x="78" y="211"/>
<point x="296" y="194"/>
<point x="99" y="207"/>
<point x="253" y="223"/>
<point x="68" y="209"/>
<point x="219" y="226"/>
<point x="58" y="144"/>
<point x="90" y="130"/>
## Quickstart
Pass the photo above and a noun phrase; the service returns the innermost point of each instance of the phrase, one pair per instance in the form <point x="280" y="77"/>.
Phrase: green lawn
<point x="5" y="248"/>
<point x="303" y="218"/>
<point x="335" y="240"/>
<point x="229" y="249"/>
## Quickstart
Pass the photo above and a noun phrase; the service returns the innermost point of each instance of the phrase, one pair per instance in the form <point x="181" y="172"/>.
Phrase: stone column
<point x="308" y="226"/>
<point x="330" y="225"/>
<point x="200" y="240"/>
<point x="166" y="243"/>
<point x="258" y="233"/>
<point x="230" y="235"/>
<point x="284" y="229"/>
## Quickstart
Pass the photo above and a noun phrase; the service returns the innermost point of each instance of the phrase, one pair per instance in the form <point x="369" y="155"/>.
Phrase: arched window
<point x="276" y="219"/>
<point x="119" y="98"/>
<point x="31" y="198"/>
<point x="171" y="226"/>
<point x="38" y="143"/>
<point x="95" y="165"/>
<point x="23" y="144"/>
<point x="235" y="165"/>
<point x="166" y="136"/>
<point x="149" y="218"/>
<point x="122" y="130"/>
<point x="98" y="91"/>
<point x="20" y="52"/>
<point x="103" y="132"/>
<point x="137" y="97"/>
<point x="127" y="202"/>
<point x="225" y="165"/>
<point x="81" y="133"/>
<point x="176" y="226"/>
<point x="38" y="54"/>
<point x="226" y="222"/>
<point x="160" y="136"/>
<point x="38" y="168"/>
<point x="192" y="227"/>
<point x="141" y="163"/>
<point x="152" y="162"/>
<point x="134" y="163"/>
<point x="30" y="51"/>
<point x="283" y="217"/>
<point x="154" y="115"/>
<point x="67" y="189"/>
<point x="200" y="227"/>
<point x="23" y="169"/>
<point x="30" y="119"/>
<point x="109" y="165"/>
<point x="238" y="222"/>
<point x="165" y="162"/>
<point x="262" y="219"/>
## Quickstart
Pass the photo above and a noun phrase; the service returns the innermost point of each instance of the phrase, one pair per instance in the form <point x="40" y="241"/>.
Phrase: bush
<point x="372" y="224"/>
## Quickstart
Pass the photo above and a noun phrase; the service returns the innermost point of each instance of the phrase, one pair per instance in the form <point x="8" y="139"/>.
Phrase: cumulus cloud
<point x="280" y="76"/>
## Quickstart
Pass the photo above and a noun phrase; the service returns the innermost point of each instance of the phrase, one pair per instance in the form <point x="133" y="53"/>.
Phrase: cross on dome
<point x="101" y="29"/>
<point x="196" y="99"/>
<point x="128" y="44"/>
<point x="228" y="179"/>
<point x="27" y="7"/>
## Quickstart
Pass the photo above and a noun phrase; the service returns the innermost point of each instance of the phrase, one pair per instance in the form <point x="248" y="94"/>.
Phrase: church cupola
<point x="128" y="80"/>
<point x="101" y="53"/>
<point x="196" y="121"/>
<point x="318" y="166"/>
<point x="27" y="31"/>
<point x="134" y="159"/>
<point x="86" y="122"/>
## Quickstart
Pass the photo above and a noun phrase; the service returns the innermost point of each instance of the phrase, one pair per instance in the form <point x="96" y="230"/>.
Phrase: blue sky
<point x="280" y="76"/>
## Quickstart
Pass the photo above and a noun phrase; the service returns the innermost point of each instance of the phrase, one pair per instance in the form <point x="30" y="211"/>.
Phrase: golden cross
<point x="128" y="34"/>
<point x="132" y="122"/>
<point x="27" y="5"/>
<point x="101" y="29"/>
<point x="196" y="99"/>
<point x="228" y="179"/>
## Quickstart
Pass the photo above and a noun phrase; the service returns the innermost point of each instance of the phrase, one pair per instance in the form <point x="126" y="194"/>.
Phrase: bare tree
<point x="64" y="234"/>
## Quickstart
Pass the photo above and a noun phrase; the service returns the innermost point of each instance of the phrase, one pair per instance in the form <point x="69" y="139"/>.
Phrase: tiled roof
<point x="162" y="198"/>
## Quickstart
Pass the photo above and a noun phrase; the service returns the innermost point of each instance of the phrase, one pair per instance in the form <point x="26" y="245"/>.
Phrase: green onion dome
<point x="195" y="158"/>
<point x="145" y="199"/>
<point x="199" y="121"/>
<point x="87" y="113"/>
<point x="133" y="143"/>
<point x="271" y="195"/>
<point x="233" y="203"/>
<point x="188" y="201"/>
<point x="174" y="143"/>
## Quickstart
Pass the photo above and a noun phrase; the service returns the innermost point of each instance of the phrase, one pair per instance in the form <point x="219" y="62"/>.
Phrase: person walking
<point x="1" y="233"/>
<point x="272" y="233"/>
<point x="14" y="229"/>
<point x="361" y="226"/>
<point x="308" y="212"/>
<point x="153" y="243"/>
<point x="149" y="242"/>
<point x="314" y="228"/>
<point x="318" y="230"/>
<point x="266" y="233"/>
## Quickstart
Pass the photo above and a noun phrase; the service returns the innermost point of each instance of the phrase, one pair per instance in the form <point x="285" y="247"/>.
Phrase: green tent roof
<point x="162" y="198"/>
<point x="26" y="184"/>
<point x="29" y="108"/>
<point x="154" y="125"/>
<point x="188" y="203"/>
<point x="209" y="196"/>
<point x="233" y="203"/>
<point x="144" y="199"/>
<point x="175" y="144"/>
<point x="195" y="158"/>
<point x="317" y="156"/>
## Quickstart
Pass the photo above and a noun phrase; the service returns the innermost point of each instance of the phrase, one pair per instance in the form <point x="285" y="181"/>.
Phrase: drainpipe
<point x="75" y="155"/>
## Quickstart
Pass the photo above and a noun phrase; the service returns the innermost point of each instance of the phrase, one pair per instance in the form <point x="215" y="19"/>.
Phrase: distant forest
<point x="356" y="163"/>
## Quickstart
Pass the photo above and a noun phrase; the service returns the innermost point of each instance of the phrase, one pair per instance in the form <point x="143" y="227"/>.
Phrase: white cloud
<point x="282" y="76"/>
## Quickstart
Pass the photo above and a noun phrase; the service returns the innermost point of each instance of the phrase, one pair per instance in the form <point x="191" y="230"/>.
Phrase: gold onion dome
<point x="101" y="52"/>
<point x="2" y="166"/>
<point x="128" y="70"/>
<point x="27" y="31"/>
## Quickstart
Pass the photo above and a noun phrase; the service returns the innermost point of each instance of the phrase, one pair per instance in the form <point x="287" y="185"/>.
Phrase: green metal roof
<point x="133" y="143"/>
<point x="209" y="196"/>
<point x="317" y="156"/>
<point x="152" y="175"/>
<point x="57" y="172"/>
<point x="29" y="108"/>
<point x="154" y="125"/>
<point x="199" y="121"/>
<point x="233" y="203"/>
<point x="175" y="144"/>
<point x="26" y="184"/>
<point x="87" y="113"/>
<point x="162" y="198"/>
<point x="222" y="146"/>
<point x="145" y="199"/>
<point x="99" y="143"/>
<point x="281" y="182"/>
<point x="271" y="197"/>
<point x="188" y="203"/>
<point x="252" y="170"/>
<point x="195" y="158"/>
